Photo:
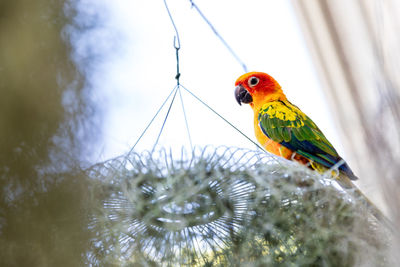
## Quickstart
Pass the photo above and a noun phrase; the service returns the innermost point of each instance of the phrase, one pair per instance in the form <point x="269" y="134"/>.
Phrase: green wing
<point x="284" y="123"/>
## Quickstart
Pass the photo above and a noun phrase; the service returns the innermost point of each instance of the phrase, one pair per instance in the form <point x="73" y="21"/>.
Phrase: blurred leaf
<point x="43" y="204"/>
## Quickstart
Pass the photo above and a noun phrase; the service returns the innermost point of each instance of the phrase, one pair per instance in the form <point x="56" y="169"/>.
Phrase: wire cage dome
<point x="226" y="207"/>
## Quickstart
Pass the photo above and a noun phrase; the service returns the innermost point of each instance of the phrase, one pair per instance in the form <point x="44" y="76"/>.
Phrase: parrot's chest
<point x="270" y="145"/>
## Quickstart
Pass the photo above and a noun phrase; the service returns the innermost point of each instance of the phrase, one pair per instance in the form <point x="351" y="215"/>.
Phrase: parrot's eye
<point x="253" y="81"/>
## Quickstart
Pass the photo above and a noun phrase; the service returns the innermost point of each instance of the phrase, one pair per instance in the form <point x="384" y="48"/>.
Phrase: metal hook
<point x="177" y="47"/>
<point x="177" y="44"/>
<point x="176" y="37"/>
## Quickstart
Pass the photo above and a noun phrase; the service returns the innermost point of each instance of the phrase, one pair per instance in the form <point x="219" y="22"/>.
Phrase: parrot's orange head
<point x="257" y="87"/>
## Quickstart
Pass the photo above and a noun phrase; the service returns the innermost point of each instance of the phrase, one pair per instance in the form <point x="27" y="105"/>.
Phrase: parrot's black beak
<point x="242" y="95"/>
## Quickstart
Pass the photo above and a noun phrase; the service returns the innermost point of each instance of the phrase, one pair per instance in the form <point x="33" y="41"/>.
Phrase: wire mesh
<point x="225" y="206"/>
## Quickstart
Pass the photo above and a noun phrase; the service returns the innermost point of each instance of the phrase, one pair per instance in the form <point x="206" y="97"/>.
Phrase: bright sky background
<point x="136" y="67"/>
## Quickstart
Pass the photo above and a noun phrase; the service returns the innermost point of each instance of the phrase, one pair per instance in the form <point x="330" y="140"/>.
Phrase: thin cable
<point x="186" y="121"/>
<point x="219" y="36"/>
<point x="166" y="117"/>
<point x="216" y="113"/>
<point x="173" y="24"/>
<point x="148" y="125"/>
<point x="178" y="74"/>
<point x="176" y="45"/>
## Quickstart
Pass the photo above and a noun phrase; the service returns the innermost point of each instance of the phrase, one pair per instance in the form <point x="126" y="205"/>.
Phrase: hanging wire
<point x="176" y="39"/>
<point x="151" y="121"/>
<point x="177" y="46"/>
<point x="177" y="43"/>
<point x="166" y="117"/>
<point x="178" y="74"/>
<point x="216" y="113"/>
<point x="219" y="36"/>
<point x="186" y="121"/>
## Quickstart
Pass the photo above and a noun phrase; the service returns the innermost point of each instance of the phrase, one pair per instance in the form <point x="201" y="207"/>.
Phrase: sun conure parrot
<point x="283" y="129"/>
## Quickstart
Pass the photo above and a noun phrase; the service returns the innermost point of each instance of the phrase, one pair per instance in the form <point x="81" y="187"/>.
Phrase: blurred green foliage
<point x="42" y="201"/>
